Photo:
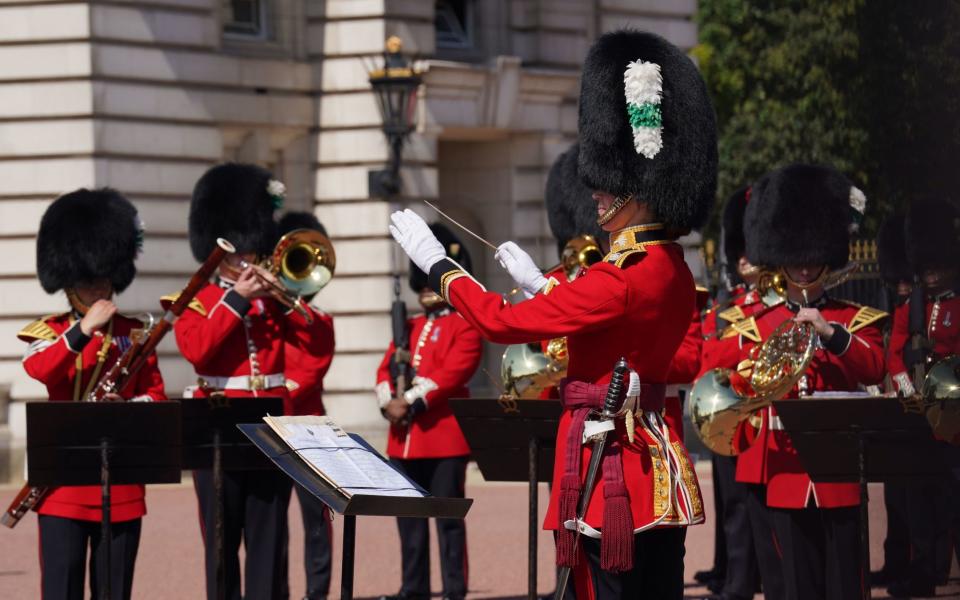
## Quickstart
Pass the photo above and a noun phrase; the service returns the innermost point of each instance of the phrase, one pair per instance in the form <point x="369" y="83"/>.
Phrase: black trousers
<point x="442" y="477"/>
<point x="63" y="557"/>
<point x="720" y="544"/>
<point x="657" y="567"/>
<point x="741" y="573"/>
<point x="769" y="559"/>
<point x="930" y="551"/>
<point x="317" y="545"/>
<point x="255" y="512"/>
<point x="821" y="552"/>
<point x="896" y="546"/>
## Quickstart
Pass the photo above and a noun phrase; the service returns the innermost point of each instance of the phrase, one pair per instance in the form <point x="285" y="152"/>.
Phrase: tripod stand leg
<point x="532" y="533"/>
<point x="105" y="554"/>
<point x="349" y="548"/>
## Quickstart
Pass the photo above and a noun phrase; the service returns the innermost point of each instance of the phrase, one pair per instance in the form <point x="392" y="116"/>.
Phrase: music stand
<point x="513" y="440"/>
<point x="864" y="439"/>
<point x="103" y="443"/>
<point x="211" y="441"/>
<point x="351" y="506"/>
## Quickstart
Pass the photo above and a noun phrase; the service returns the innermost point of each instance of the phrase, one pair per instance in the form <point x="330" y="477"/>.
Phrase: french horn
<point x="940" y="397"/>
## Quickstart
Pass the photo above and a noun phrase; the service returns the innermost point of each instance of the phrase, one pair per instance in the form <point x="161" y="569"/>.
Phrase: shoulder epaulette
<point x="732" y="314"/>
<point x="748" y="329"/>
<point x="194" y="303"/>
<point x="38" y="330"/>
<point x="619" y="258"/>
<point x="865" y="316"/>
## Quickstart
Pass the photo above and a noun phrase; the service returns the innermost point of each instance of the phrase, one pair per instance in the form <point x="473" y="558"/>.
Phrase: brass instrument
<point x="304" y="262"/>
<point x="940" y="399"/>
<point x="525" y="370"/>
<point x="721" y="401"/>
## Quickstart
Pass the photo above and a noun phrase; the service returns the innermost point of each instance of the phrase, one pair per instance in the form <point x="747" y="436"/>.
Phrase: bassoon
<point x="125" y="369"/>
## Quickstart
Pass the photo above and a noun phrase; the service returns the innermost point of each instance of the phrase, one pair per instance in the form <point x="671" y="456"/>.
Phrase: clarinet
<point x="123" y="371"/>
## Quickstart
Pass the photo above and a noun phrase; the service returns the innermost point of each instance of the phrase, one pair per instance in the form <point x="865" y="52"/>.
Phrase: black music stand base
<point x="105" y="444"/>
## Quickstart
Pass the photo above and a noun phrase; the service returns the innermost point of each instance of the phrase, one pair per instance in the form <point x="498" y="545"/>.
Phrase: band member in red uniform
<point x="798" y="222"/>
<point x="235" y="334"/>
<point x="86" y="246"/>
<point x="743" y="524"/>
<point x="305" y="384"/>
<point x="932" y="316"/>
<point x="648" y="148"/>
<point x="898" y="280"/>
<point x="425" y="441"/>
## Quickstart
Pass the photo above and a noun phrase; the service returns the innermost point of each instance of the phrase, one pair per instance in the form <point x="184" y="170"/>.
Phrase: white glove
<point x="416" y="239"/>
<point x="421" y="387"/>
<point x="384" y="394"/>
<point x="521" y="267"/>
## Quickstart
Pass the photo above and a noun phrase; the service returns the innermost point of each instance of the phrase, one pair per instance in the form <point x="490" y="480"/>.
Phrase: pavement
<point x="170" y="562"/>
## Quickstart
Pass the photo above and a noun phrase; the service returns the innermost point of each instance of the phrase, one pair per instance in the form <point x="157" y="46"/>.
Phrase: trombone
<point x="303" y="261"/>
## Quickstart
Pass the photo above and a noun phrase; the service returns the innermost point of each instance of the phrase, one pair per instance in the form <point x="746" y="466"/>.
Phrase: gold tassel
<point x="628" y="422"/>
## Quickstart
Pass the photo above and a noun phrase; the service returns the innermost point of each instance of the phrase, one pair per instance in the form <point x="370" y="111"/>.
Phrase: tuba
<point x="526" y="370"/>
<point x="303" y="261"/>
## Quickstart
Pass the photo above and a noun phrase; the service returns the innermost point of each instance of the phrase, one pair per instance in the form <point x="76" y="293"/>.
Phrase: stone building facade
<point x="143" y="96"/>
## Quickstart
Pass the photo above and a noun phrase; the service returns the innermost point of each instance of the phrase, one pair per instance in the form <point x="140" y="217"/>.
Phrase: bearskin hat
<point x="88" y="235"/>
<point x="648" y="128"/>
<point x="932" y="230"/>
<point x="734" y="244"/>
<point x="570" y="209"/>
<point x="455" y="250"/>
<point x="802" y="215"/>
<point x="236" y="202"/>
<point x="299" y="220"/>
<point x="892" y="250"/>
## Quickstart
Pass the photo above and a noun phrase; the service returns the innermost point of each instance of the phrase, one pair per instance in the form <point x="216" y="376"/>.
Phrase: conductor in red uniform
<point x="648" y="149"/>
<point x="798" y="222"/>
<point x="235" y="335"/>
<point x="305" y="375"/>
<point x="425" y="441"/>
<point x="86" y="246"/>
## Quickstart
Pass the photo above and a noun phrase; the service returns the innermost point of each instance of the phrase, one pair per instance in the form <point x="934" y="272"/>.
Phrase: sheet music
<point x="339" y="459"/>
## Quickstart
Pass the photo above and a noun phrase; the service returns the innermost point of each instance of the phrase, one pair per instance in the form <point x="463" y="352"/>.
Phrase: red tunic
<point x="560" y="275"/>
<point x="684" y="368"/>
<point x="56" y="343"/>
<point x="636" y="305"/>
<point x="723" y="351"/>
<point x="305" y="373"/>
<point x="772" y="459"/>
<point x="224" y="335"/>
<point x="447" y="351"/>
<point x="943" y="329"/>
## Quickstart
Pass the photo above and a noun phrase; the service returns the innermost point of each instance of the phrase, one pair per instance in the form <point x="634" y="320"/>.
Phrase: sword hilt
<point x="614" y="399"/>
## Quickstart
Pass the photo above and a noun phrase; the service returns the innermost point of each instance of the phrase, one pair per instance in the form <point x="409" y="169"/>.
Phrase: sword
<point x="611" y="407"/>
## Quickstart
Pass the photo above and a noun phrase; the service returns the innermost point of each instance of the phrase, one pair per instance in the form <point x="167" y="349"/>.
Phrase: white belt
<point x="242" y="382"/>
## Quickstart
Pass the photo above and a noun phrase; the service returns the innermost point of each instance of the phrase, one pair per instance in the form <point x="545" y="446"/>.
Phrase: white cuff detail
<point x="384" y="395"/>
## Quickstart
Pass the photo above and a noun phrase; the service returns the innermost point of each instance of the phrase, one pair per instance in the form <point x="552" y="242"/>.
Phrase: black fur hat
<point x="299" y="220"/>
<point x="87" y="235"/>
<point x="236" y="202"/>
<point x="932" y="234"/>
<point x="892" y="251"/>
<point x="455" y="250"/>
<point x="668" y="156"/>
<point x="734" y="243"/>
<point x="802" y="215"/>
<point x="570" y="209"/>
